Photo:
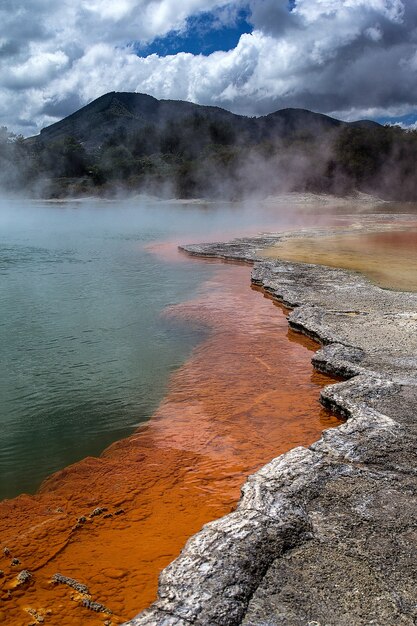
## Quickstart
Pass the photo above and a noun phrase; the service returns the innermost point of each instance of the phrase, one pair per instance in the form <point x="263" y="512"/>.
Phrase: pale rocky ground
<point x="324" y="536"/>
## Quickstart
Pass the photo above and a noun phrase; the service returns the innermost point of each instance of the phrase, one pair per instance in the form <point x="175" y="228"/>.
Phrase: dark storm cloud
<point x="9" y="49"/>
<point x="60" y="108"/>
<point x="272" y="17"/>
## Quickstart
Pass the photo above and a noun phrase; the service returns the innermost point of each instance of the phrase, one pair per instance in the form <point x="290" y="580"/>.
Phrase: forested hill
<point x="135" y="142"/>
<point x="115" y="117"/>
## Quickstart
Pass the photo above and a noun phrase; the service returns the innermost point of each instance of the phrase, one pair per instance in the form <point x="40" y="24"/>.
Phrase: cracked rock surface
<point x="324" y="536"/>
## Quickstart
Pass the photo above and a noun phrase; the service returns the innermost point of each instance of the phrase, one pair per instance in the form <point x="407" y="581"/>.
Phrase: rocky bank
<point x="324" y="535"/>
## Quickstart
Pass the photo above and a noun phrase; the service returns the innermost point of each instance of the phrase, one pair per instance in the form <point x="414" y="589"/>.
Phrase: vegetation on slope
<point x="137" y="143"/>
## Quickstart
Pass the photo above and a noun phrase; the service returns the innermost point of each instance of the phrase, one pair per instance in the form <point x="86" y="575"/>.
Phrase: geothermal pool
<point x="246" y="394"/>
<point x="109" y="332"/>
<point x="105" y="325"/>
<point x="86" y="354"/>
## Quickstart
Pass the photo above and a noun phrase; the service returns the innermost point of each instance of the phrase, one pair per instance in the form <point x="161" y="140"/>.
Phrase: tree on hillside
<point x="64" y="158"/>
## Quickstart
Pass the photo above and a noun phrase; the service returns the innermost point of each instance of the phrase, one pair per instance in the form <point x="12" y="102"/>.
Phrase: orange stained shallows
<point x="388" y="259"/>
<point x="247" y="394"/>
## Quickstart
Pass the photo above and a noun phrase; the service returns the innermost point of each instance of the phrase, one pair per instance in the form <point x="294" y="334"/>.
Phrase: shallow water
<point x="247" y="393"/>
<point x="85" y="355"/>
<point x="389" y="259"/>
<point x="85" y="352"/>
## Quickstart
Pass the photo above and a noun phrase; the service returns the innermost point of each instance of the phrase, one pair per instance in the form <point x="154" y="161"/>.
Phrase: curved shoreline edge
<point x="325" y="534"/>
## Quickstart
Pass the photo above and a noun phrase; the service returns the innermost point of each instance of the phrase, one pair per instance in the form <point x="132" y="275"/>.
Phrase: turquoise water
<point x="85" y="351"/>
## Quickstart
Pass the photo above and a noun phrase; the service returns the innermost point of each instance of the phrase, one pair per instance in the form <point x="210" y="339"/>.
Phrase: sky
<point x="351" y="59"/>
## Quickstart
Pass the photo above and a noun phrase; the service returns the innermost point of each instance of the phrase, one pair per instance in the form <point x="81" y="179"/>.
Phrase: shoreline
<point x="355" y="201"/>
<point x="321" y="534"/>
<point x="112" y="523"/>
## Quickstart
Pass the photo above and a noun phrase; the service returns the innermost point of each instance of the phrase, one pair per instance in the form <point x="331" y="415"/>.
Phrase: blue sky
<point x="203" y="33"/>
<point x="404" y="120"/>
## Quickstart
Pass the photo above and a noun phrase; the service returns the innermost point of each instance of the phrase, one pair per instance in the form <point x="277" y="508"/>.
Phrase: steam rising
<point x="210" y="153"/>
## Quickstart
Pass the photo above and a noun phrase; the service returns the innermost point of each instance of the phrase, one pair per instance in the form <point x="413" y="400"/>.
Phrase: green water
<point x="85" y="351"/>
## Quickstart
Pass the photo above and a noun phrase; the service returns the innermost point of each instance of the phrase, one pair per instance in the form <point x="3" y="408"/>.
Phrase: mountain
<point x="133" y="142"/>
<point x="123" y="113"/>
<point x="127" y="112"/>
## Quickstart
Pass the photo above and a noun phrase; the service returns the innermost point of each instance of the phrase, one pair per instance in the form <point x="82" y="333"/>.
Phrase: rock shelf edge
<point x="325" y="535"/>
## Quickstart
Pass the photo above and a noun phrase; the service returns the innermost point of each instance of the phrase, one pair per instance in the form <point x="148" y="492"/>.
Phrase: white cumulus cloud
<point x="349" y="58"/>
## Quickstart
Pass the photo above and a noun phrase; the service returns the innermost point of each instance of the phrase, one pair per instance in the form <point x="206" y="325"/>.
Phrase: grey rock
<point x="95" y="606"/>
<point x="70" y="582"/>
<point x="37" y="616"/>
<point x="98" y="511"/>
<point x="24" y="577"/>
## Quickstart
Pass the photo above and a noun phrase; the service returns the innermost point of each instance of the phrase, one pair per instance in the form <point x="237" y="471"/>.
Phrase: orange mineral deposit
<point x="389" y="259"/>
<point x="247" y="394"/>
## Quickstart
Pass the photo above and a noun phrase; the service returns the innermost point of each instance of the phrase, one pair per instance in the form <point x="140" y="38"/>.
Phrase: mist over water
<point x="86" y="353"/>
